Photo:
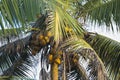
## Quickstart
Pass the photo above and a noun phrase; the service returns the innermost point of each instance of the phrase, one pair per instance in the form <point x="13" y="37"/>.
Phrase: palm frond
<point x="69" y="70"/>
<point x="59" y="19"/>
<point x="83" y="49"/>
<point x="9" y="52"/>
<point x="85" y="68"/>
<point x="106" y="13"/>
<point x="14" y="78"/>
<point x="83" y="7"/>
<point x="99" y="11"/>
<point x="74" y="74"/>
<point x="96" y="67"/>
<point x="75" y="43"/>
<point x="109" y="52"/>
<point x="17" y="13"/>
<point x="19" y="63"/>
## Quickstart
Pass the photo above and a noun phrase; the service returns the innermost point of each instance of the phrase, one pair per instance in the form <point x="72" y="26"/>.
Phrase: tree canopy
<point x="59" y="38"/>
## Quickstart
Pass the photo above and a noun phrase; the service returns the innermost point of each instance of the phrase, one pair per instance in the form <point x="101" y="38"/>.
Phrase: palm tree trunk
<point x="54" y="71"/>
<point x="64" y="67"/>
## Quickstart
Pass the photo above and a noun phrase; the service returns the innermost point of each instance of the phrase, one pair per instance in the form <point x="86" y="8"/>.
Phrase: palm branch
<point x="100" y="11"/>
<point x="106" y="49"/>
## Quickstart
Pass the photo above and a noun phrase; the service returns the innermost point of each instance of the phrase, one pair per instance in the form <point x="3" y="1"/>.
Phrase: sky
<point x="113" y="34"/>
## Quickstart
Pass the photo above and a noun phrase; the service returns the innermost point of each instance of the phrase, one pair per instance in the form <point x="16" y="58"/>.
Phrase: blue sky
<point x="115" y="35"/>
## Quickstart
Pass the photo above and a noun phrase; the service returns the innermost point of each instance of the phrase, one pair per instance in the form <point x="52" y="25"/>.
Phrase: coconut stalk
<point x="54" y="71"/>
<point x="64" y="67"/>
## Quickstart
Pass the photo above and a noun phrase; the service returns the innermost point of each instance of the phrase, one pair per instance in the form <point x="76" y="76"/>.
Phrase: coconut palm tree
<point x="57" y="41"/>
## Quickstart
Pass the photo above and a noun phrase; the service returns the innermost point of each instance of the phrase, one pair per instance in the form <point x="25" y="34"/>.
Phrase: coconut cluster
<point x="55" y="56"/>
<point x="39" y="40"/>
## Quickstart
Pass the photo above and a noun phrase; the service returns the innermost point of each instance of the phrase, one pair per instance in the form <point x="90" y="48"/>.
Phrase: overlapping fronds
<point x="83" y="49"/>
<point x="76" y="44"/>
<point x="16" y="61"/>
<point x="109" y="51"/>
<point x="70" y="70"/>
<point x="59" y="22"/>
<point x="75" y="74"/>
<point x="94" y="67"/>
<point x="17" y="13"/>
<point x="9" y="52"/>
<point x="106" y="13"/>
<point x="100" y="11"/>
<point x="83" y="7"/>
<point x="64" y="27"/>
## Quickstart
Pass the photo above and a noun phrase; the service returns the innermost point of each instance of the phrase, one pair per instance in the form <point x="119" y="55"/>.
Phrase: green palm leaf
<point x="17" y="13"/>
<point x="106" y="13"/>
<point x="99" y="11"/>
<point x="109" y="51"/>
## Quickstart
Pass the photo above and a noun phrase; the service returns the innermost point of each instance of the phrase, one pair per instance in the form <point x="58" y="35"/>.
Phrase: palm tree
<point x="54" y="38"/>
